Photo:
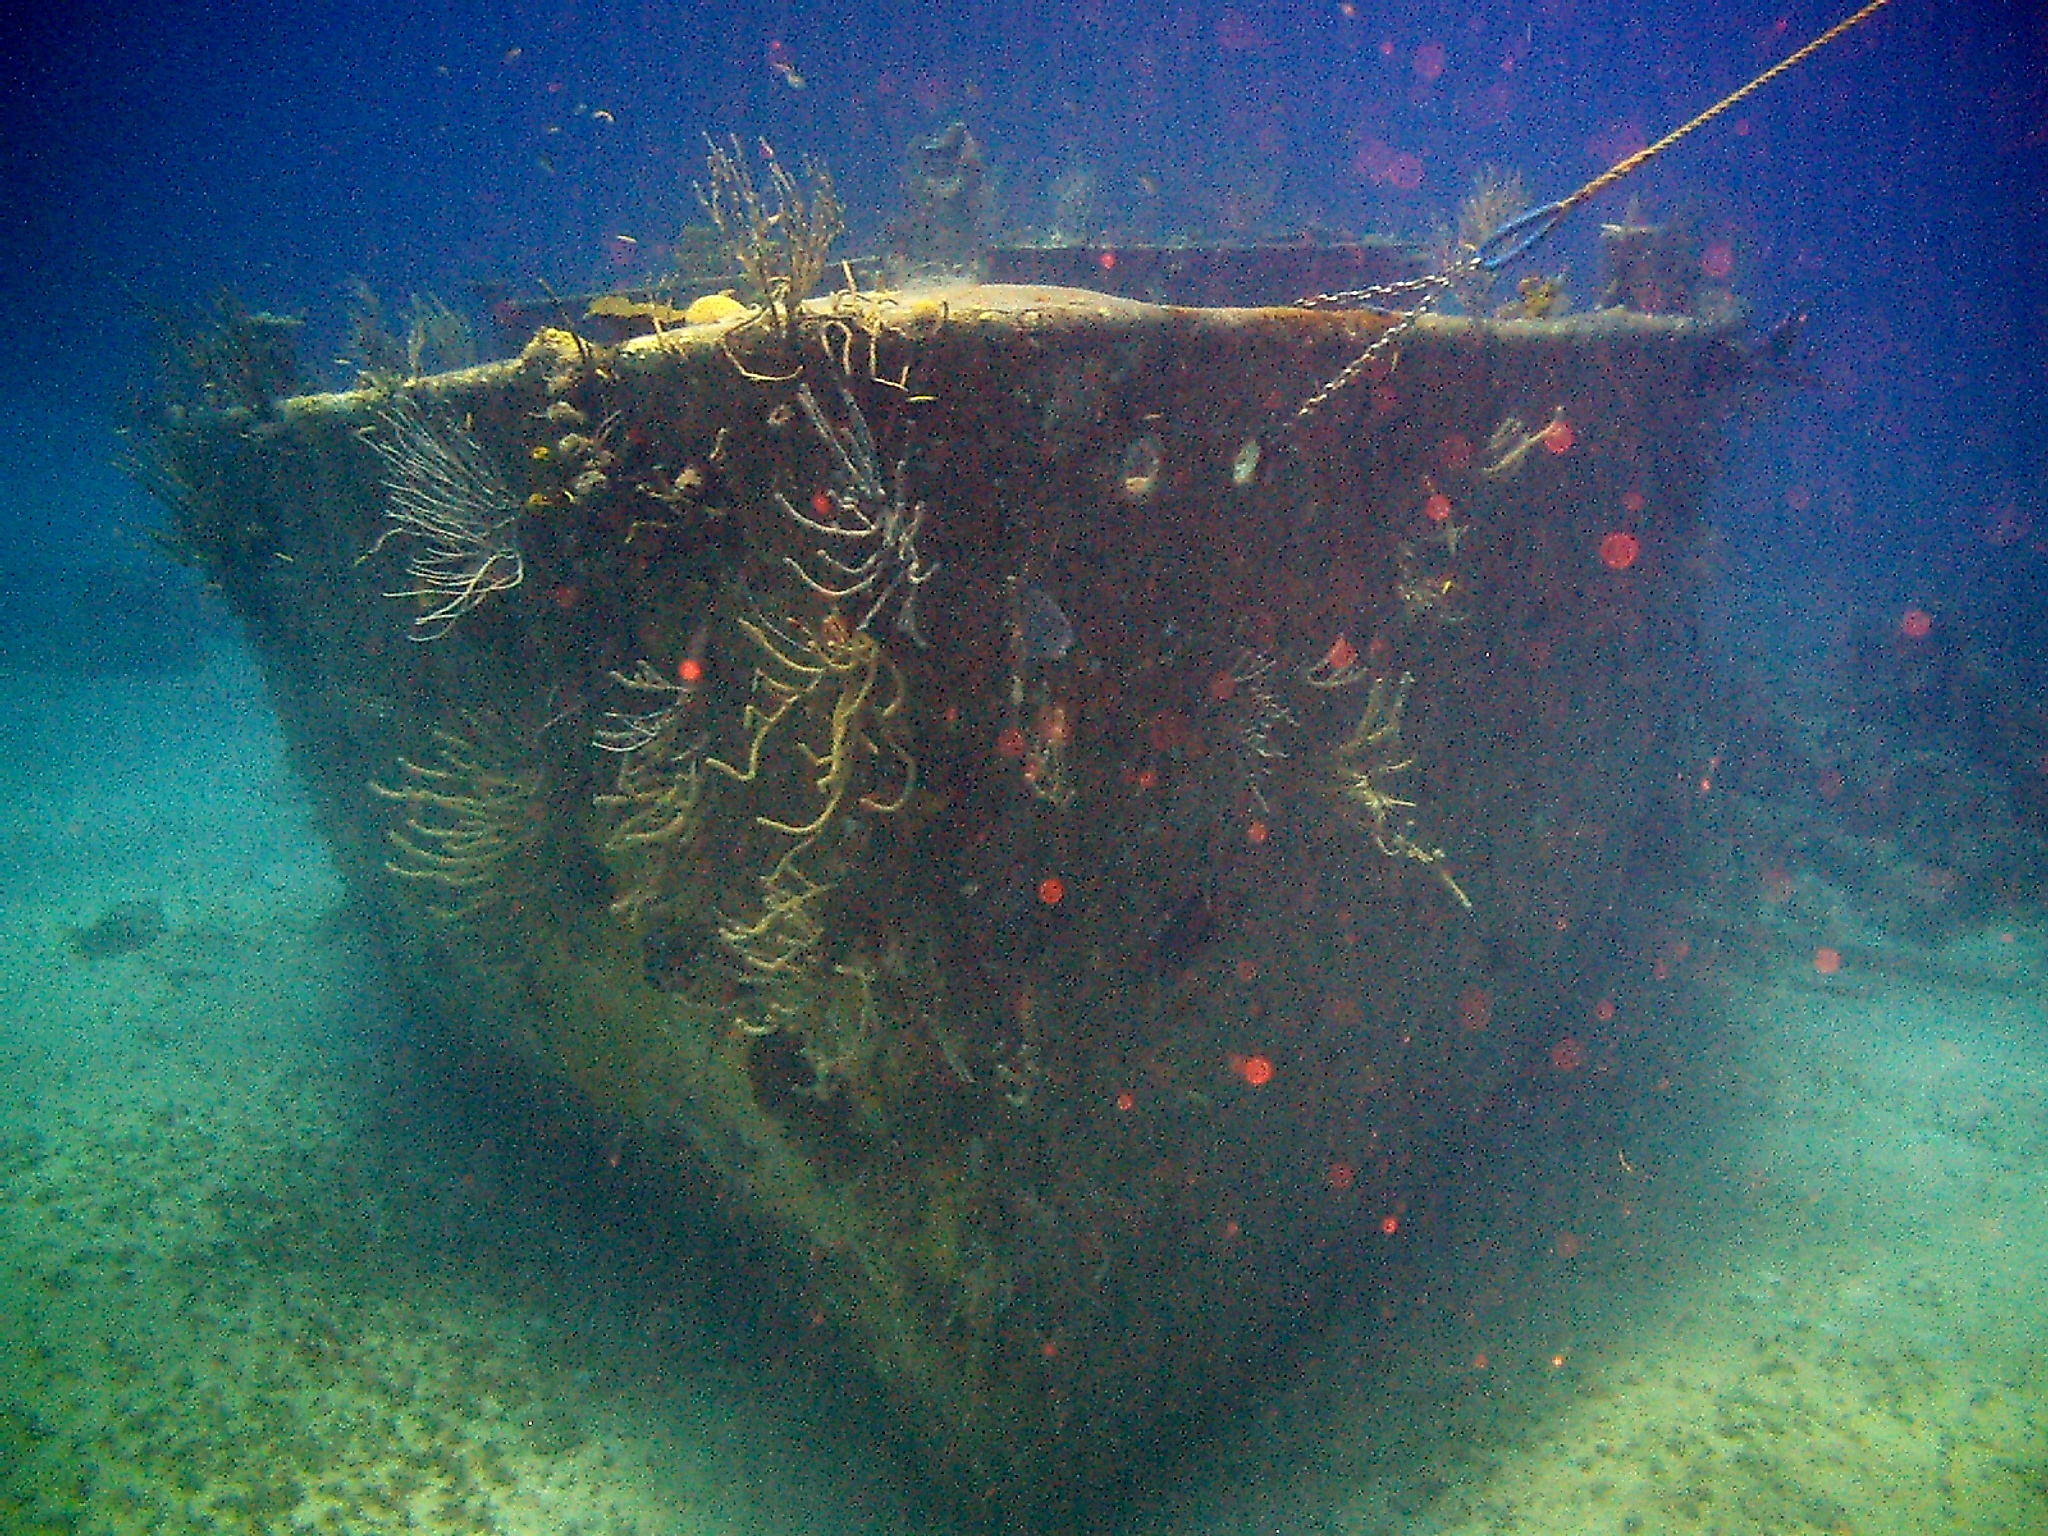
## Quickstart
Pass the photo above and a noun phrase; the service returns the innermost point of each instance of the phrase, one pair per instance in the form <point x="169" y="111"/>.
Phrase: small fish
<point x="780" y="61"/>
<point x="1184" y="929"/>
<point x="1044" y="633"/>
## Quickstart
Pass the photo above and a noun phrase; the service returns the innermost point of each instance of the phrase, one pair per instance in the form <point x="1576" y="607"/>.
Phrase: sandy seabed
<point x="255" y="1275"/>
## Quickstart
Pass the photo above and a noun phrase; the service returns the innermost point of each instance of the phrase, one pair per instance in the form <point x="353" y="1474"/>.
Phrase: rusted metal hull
<point x="1077" y="942"/>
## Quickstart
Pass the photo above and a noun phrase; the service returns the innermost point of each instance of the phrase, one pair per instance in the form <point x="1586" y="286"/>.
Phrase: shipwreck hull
<point x="1062" y="843"/>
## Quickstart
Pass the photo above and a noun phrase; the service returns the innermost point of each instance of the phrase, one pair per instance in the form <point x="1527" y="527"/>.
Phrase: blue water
<point x="270" y="1261"/>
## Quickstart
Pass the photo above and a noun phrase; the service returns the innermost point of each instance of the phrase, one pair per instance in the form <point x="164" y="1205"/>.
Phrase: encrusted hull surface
<point x="1061" y="842"/>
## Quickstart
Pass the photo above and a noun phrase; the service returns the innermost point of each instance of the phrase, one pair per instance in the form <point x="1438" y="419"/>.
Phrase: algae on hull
<point x="1065" y="1010"/>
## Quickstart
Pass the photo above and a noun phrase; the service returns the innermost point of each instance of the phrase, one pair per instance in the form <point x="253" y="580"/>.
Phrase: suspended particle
<point x="1618" y="550"/>
<point x="1257" y="1071"/>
